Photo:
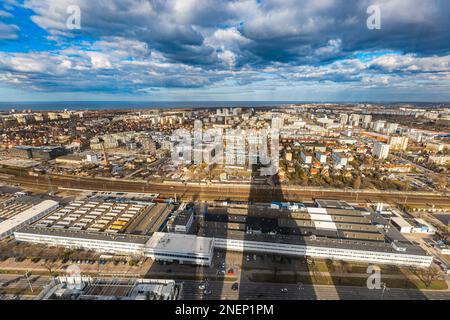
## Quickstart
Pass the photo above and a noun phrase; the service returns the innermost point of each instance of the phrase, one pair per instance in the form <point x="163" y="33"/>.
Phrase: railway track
<point x="232" y="193"/>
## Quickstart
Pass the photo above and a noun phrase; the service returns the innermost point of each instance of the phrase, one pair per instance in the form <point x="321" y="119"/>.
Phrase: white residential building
<point x="306" y="157"/>
<point x="340" y="159"/>
<point x="380" y="150"/>
<point x="277" y="123"/>
<point x="322" y="157"/>
<point x="398" y="143"/>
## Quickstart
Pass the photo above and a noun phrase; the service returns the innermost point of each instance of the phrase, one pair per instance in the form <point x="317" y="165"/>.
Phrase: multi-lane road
<point x="19" y="284"/>
<point x="279" y="291"/>
<point x="251" y="290"/>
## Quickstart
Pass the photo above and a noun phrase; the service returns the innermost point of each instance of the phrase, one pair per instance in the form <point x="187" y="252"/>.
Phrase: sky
<point x="260" y="50"/>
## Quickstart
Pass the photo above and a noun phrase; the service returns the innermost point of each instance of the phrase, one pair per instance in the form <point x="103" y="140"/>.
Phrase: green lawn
<point x="405" y="283"/>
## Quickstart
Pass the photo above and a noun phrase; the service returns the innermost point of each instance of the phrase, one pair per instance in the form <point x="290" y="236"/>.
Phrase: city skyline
<point x="224" y="51"/>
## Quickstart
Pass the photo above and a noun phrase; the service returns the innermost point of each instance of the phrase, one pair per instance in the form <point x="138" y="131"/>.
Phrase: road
<point x="19" y="282"/>
<point x="232" y="193"/>
<point x="251" y="290"/>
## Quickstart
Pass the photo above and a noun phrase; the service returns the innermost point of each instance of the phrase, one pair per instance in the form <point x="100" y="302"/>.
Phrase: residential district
<point x="179" y="203"/>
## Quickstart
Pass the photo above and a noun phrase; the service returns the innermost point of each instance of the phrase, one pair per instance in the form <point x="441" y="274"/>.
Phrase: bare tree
<point x="428" y="275"/>
<point x="49" y="266"/>
<point x="357" y="182"/>
<point x="441" y="181"/>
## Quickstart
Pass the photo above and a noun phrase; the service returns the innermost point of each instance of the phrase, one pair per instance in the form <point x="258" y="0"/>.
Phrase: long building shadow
<point x="289" y="272"/>
<point x="247" y="269"/>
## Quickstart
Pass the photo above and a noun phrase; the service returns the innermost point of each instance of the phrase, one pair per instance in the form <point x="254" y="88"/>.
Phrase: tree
<point x="357" y="182"/>
<point x="330" y="265"/>
<point x="49" y="266"/>
<point x="441" y="181"/>
<point x="428" y="275"/>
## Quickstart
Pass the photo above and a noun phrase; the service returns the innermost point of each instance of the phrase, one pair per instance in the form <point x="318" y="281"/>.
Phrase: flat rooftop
<point x="123" y="196"/>
<point x="180" y="243"/>
<point x="111" y="289"/>
<point x="317" y="242"/>
<point x="336" y="204"/>
<point x="11" y="205"/>
<point x="328" y="222"/>
<point x="126" y="238"/>
<point x="93" y="215"/>
<point x="26" y="215"/>
<point x="183" y="217"/>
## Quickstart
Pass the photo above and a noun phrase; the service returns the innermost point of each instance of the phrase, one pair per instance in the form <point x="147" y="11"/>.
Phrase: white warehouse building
<point x="22" y="219"/>
<point x="182" y="248"/>
<point x="191" y="249"/>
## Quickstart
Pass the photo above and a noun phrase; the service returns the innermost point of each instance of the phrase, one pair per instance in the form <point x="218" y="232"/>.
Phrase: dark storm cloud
<point x="136" y="45"/>
<point x="284" y="31"/>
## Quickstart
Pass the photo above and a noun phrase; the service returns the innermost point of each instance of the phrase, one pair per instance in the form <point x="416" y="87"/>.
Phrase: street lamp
<point x="384" y="287"/>
<point x="301" y="288"/>
<point x="27" y="274"/>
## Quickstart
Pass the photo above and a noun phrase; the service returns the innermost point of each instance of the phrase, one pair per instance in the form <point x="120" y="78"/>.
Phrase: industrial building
<point x="181" y="248"/>
<point x="125" y="244"/>
<point x="78" y="287"/>
<point x="44" y="152"/>
<point x="182" y="222"/>
<point x="106" y="222"/>
<point x="22" y="214"/>
<point x="357" y="251"/>
<point x="330" y="229"/>
<point x="415" y="225"/>
<point x="106" y="215"/>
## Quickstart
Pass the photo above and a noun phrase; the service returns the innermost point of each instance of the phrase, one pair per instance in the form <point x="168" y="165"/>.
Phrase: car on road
<point x="235" y="286"/>
<point x="202" y="286"/>
<point x="207" y="292"/>
<point x="284" y="290"/>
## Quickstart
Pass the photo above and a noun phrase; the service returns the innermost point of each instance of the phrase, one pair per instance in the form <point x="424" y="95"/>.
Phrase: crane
<point x="105" y="155"/>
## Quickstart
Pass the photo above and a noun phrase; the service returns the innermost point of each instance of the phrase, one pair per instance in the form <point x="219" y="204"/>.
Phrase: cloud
<point x="134" y="45"/>
<point x="8" y="31"/>
<point x="99" y="60"/>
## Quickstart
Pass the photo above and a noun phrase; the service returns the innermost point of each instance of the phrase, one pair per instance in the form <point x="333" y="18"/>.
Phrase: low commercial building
<point x="402" y="225"/>
<point x="173" y="247"/>
<point x="79" y="287"/>
<point x="413" y="226"/>
<point x="100" y="242"/>
<point x="443" y="249"/>
<point x="180" y="248"/>
<point x="328" y="249"/>
<point x="182" y="223"/>
<point x="191" y="249"/>
<point x="44" y="152"/>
